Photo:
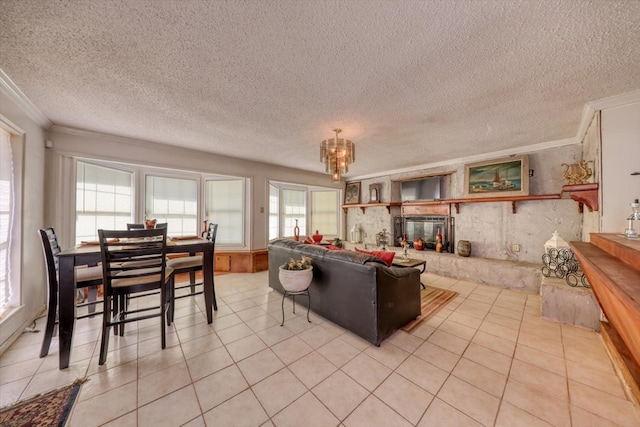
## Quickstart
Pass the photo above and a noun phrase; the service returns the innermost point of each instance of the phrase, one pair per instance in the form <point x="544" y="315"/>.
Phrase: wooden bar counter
<point x="611" y="263"/>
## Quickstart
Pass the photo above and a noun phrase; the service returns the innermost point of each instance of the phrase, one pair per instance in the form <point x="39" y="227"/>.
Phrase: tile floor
<point x="487" y="358"/>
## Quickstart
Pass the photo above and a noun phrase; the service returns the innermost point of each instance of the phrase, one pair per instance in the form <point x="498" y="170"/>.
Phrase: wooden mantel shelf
<point x="584" y="194"/>
<point x="457" y="202"/>
<point x="364" y="206"/>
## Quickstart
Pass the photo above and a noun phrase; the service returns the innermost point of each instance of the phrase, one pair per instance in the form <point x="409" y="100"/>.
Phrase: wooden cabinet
<point x="223" y="262"/>
<point x="242" y="262"/>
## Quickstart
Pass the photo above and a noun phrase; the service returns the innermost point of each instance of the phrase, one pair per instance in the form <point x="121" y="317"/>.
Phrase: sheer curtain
<point x="7" y="299"/>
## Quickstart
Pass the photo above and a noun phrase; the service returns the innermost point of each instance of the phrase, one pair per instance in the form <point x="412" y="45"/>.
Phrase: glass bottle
<point x="296" y="231"/>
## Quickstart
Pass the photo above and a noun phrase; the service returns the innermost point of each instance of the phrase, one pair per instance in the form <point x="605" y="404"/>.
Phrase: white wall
<point x="591" y="152"/>
<point x="34" y="289"/>
<point x="71" y="142"/>
<point x="620" y="157"/>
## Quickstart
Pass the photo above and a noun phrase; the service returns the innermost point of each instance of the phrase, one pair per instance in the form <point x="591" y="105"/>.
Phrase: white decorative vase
<point x="295" y="280"/>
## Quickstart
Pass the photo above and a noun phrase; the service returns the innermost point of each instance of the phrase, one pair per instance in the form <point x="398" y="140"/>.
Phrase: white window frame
<point x="246" y="202"/>
<point x="115" y="166"/>
<point x="140" y="173"/>
<point x="16" y="140"/>
<point x="171" y="174"/>
<point x="308" y="190"/>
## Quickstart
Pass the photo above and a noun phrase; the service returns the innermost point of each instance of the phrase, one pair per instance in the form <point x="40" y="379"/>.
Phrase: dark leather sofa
<point x="354" y="290"/>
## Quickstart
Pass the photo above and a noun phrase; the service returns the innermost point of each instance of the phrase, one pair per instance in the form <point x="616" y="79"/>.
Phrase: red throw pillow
<point x="387" y="257"/>
<point x="309" y="240"/>
<point x="334" y="248"/>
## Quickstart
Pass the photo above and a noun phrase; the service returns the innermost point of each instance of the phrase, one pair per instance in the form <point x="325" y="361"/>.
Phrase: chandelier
<point x="337" y="153"/>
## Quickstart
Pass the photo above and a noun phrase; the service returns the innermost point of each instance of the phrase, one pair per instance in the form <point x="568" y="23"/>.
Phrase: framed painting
<point x="497" y="178"/>
<point x="352" y="193"/>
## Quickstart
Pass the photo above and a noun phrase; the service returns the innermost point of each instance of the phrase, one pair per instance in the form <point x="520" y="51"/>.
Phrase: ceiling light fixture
<point x="337" y="153"/>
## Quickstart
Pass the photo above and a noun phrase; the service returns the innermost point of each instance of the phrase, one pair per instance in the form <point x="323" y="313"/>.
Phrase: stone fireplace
<point x="411" y="227"/>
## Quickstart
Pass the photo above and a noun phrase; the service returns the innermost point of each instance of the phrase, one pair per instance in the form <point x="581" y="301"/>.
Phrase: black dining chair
<point x="191" y="264"/>
<point x="86" y="277"/>
<point x="133" y="262"/>
<point x="135" y="226"/>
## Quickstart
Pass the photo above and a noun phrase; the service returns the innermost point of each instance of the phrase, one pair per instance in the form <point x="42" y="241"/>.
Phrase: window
<point x="174" y="201"/>
<point x="294" y="211"/>
<point x="6" y="216"/>
<point x="225" y="207"/>
<point x="104" y="199"/>
<point x="324" y="205"/>
<point x="274" y="212"/>
<point x="109" y="195"/>
<point x="314" y="208"/>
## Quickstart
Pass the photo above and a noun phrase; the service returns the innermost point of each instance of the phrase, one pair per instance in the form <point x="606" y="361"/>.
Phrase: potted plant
<point x="296" y="275"/>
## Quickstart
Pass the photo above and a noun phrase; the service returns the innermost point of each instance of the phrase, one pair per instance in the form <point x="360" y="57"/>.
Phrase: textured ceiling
<point x="409" y="82"/>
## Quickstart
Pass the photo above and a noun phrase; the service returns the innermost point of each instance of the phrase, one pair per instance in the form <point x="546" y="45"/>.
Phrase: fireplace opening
<point x="426" y="228"/>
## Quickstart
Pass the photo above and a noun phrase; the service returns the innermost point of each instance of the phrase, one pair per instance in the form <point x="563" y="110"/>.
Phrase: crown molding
<point x="476" y="158"/>
<point x="587" y="117"/>
<point x="8" y="87"/>
<point x="616" y="100"/>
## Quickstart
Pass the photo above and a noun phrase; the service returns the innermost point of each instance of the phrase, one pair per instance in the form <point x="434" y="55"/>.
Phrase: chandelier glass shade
<point x="337" y="154"/>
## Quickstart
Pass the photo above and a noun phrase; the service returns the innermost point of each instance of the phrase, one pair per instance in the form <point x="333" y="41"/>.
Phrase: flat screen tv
<point x="421" y="189"/>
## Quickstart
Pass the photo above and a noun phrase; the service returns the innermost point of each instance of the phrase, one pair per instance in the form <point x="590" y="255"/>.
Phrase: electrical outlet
<point x="516" y="247"/>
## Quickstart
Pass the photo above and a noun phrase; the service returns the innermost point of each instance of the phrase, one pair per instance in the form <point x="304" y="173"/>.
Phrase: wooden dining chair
<point x="192" y="264"/>
<point x="86" y="277"/>
<point x="135" y="226"/>
<point x="133" y="262"/>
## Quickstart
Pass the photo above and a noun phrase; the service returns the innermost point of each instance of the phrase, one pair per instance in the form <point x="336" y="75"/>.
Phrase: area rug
<point x="50" y="409"/>
<point x="431" y="301"/>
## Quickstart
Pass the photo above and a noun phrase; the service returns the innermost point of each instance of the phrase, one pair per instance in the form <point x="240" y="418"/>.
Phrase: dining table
<point x="89" y="254"/>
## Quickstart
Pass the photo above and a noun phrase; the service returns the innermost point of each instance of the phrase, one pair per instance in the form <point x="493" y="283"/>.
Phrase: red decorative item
<point x="317" y="237"/>
<point x="418" y="244"/>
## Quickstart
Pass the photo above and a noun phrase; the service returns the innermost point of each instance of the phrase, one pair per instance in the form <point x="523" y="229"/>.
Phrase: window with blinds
<point x="225" y="206"/>
<point x="324" y="208"/>
<point x="294" y="208"/>
<point x="104" y="200"/>
<point x="174" y="201"/>
<point x="314" y="208"/>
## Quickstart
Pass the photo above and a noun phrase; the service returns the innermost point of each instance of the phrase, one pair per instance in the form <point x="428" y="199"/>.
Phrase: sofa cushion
<point x="387" y="257"/>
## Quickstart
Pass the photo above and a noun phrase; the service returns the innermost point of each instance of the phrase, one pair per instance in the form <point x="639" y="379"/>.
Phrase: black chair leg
<point x="213" y="288"/>
<point x="122" y="314"/>
<point x="93" y="297"/>
<point x="164" y="312"/>
<point x="115" y="314"/>
<point x="106" y="324"/>
<point x="192" y="281"/>
<point x="51" y="324"/>
<point x="170" y="301"/>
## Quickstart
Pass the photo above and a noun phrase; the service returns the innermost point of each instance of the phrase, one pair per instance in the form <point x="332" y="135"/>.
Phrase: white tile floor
<point x="487" y="358"/>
